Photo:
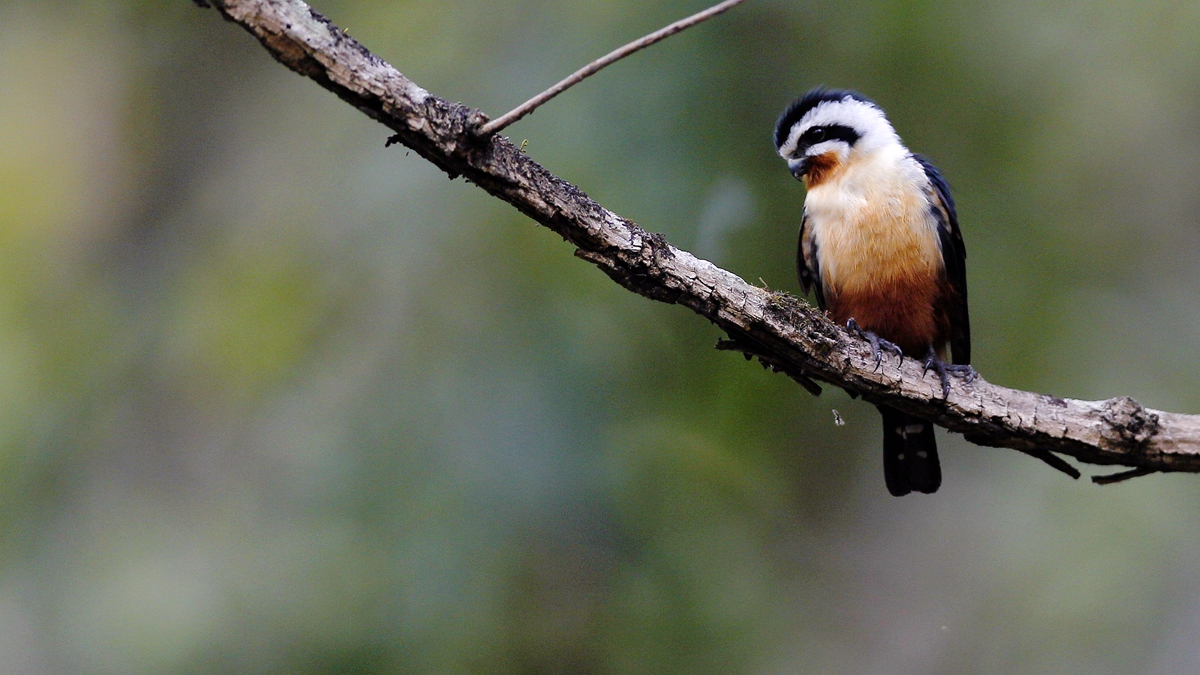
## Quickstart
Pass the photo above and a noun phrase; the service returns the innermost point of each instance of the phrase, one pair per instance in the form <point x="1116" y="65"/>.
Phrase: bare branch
<point x="1054" y="461"/>
<point x="1121" y="477"/>
<point x="606" y="60"/>
<point x="783" y="332"/>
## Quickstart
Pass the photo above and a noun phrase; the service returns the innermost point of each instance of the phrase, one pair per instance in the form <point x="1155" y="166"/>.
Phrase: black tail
<point x="910" y="459"/>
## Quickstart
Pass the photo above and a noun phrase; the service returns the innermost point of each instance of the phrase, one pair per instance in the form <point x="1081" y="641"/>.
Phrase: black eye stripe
<point x="828" y="132"/>
<point x="801" y="107"/>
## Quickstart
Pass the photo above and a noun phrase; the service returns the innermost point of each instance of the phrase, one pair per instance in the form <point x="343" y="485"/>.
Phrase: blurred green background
<point x="276" y="399"/>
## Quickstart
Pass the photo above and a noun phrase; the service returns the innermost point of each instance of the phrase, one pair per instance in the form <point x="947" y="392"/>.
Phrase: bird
<point x="881" y="250"/>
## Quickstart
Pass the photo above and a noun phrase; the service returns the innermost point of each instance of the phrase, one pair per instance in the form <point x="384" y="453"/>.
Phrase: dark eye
<point x="815" y="135"/>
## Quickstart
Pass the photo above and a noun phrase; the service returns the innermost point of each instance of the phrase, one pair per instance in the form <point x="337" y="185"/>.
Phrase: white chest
<point x="872" y="226"/>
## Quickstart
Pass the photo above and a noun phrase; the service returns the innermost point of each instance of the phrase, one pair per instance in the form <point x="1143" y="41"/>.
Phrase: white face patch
<point x="827" y="146"/>
<point x="789" y="146"/>
<point x="868" y="120"/>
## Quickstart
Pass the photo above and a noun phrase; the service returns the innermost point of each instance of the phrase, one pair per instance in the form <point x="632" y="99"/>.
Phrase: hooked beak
<point x="800" y="169"/>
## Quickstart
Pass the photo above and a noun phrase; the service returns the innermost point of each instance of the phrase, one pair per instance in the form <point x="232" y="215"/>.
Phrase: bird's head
<point x="827" y="128"/>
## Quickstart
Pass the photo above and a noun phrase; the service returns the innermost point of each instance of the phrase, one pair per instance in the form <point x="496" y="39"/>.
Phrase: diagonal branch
<point x="785" y="333"/>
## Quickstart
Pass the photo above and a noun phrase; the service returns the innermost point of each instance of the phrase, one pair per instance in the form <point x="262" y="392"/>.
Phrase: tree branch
<point x="608" y="59"/>
<point x="785" y="333"/>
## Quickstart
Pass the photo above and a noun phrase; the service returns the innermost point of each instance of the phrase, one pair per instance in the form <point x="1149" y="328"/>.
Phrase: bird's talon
<point x="878" y="344"/>
<point x="893" y="348"/>
<point x="966" y="372"/>
<point x="962" y="370"/>
<point x="875" y="351"/>
<point x="945" y="370"/>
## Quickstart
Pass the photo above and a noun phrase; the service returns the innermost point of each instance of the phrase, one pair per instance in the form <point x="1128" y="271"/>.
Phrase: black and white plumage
<point x="880" y="248"/>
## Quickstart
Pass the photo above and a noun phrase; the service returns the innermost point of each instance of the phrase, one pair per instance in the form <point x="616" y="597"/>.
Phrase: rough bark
<point x="784" y="332"/>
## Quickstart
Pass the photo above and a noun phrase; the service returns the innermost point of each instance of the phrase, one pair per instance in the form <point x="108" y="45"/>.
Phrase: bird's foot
<point x="945" y="370"/>
<point x="878" y="344"/>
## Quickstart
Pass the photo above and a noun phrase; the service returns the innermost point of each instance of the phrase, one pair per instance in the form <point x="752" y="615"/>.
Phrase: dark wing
<point x="806" y="263"/>
<point x="954" y="257"/>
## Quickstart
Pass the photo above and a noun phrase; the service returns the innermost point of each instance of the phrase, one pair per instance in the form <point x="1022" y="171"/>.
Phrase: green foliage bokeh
<point x="277" y="399"/>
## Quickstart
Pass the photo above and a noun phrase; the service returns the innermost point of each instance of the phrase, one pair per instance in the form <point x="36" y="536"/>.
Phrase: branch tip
<point x="1122" y="476"/>
<point x="809" y="386"/>
<point x="1054" y="461"/>
<point x="733" y="346"/>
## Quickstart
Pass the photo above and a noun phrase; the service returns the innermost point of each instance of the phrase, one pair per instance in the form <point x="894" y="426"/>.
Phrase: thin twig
<point x="1122" y="476"/>
<point x="593" y="67"/>
<point x="1054" y="461"/>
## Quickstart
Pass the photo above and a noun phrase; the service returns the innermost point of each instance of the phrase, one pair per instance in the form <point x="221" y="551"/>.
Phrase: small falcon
<point x="881" y="249"/>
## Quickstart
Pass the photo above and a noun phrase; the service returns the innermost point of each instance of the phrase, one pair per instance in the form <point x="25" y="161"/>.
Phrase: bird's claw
<point x="945" y="370"/>
<point x="966" y="372"/>
<point x="878" y="344"/>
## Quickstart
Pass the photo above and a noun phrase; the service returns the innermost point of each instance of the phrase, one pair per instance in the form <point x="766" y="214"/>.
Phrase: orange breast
<point x="904" y="312"/>
<point x="879" y="256"/>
